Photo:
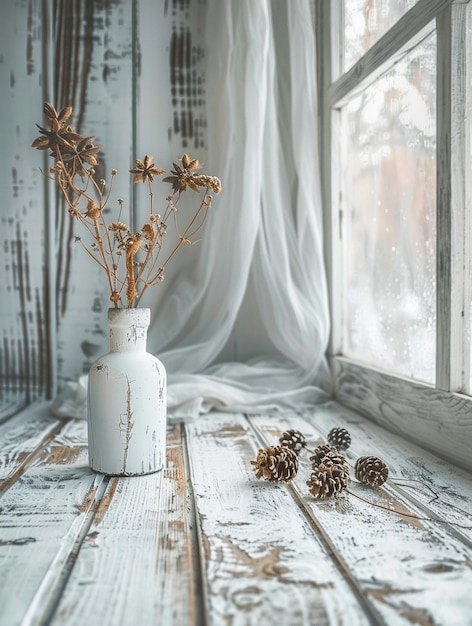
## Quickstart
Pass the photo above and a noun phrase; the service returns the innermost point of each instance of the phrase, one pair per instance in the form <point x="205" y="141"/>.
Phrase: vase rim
<point x="136" y="315"/>
<point x="129" y="308"/>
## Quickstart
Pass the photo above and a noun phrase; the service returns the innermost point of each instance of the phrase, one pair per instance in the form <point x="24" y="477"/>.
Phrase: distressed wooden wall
<point x="24" y="311"/>
<point x="133" y="72"/>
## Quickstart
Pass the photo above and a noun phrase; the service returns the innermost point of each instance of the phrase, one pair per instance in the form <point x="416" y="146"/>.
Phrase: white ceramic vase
<point x="126" y="408"/>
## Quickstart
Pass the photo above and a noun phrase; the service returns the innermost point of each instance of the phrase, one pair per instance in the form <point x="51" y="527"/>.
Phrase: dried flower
<point x="145" y="170"/>
<point x="75" y="158"/>
<point x="210" y="182"/>
<point x="183" y="176"/>
<point x="148" y="232"/>
<point x="59" y="134"/>
<point x="114" y="226"/>
<point x="92" y="210"/>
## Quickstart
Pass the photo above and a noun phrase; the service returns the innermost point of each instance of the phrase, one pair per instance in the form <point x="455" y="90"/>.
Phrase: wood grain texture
<point x="436" y="420"/>
<point x="453" y="297"/>
<point x="134" y="73"/>
<point x="396" y="562"/>
<point x="434" y="485"/>
<point x="205" y="542"/>
<point x="22" y="438"/>
<point x="23" y="345"/>
<point x="42" y="516"/>
<point x="261" y="556"/>
<point x="137" y="551"/>
<point x="93" y="69"/>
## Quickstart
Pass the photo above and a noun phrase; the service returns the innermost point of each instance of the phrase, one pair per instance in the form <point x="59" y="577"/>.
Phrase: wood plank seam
<point x="458" y="531"/>
<point x="418" y="507"/>
<point x="138" y="551"/>
<point x="49" y="593"/>
<point x="202" y="610"/>
<point x="380" y="587"/>
<point x="394" y="487"/>
<point x="372" y="613"/>
<point x="29" y="458"/>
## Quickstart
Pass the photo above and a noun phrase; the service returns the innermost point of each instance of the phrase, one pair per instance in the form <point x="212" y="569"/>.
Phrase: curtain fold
<point x="265" y="226"/>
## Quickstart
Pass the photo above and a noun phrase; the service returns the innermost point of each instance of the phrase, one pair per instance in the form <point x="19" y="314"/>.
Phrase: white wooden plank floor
<point x="205" y="542"/>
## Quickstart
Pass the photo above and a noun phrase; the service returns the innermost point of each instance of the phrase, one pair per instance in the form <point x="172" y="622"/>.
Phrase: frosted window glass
<point x="365" y="21"/>
<point x="388" y="189"/>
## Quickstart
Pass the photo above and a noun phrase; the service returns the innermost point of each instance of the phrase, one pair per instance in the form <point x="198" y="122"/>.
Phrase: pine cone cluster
<point x="340" y="438"/>
<point x="330" y="470"/>
<point x="293" y="439"/>
<point x="330" y="473"/>
<point x="327" y="481"/>
<point x="276" y="463"/>
<point x="370" y="470"/>
<point x="328" y="455"/>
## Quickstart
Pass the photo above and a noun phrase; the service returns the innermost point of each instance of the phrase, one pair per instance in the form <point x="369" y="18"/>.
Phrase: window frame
<point x="438" y="416"/>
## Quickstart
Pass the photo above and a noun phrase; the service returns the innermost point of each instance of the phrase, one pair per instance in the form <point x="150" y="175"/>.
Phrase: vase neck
<point x="128" y="329"/>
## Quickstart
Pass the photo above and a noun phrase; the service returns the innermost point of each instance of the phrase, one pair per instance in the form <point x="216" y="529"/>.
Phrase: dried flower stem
<point x="75" y="157"/>
<point x="409" y="515"/>
<point x="183" y="238"/>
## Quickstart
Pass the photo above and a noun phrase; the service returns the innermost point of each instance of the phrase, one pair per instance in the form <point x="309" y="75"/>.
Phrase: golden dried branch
<point x="75" y="158"/>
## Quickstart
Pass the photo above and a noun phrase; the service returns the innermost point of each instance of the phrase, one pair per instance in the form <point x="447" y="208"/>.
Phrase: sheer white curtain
<point x="265" y="225"/>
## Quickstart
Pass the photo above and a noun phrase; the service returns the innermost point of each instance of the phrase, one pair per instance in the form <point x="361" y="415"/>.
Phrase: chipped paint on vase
<point x="126" y="408"/>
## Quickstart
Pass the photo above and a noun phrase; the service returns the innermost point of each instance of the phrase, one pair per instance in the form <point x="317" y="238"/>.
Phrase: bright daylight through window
<point x="397" y="150"/>
<point x="389" y="204"/>
<point x="366" y="21"/>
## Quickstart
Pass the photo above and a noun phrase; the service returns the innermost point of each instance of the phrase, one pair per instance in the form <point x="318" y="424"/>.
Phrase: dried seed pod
<point x="293" y="439"/>
<point x="328" y="455"/>
<point x="340" y="438"/>
<point x="276" y="463"/>
<point x="328" y="481"/>
<point x="371" y="470"/>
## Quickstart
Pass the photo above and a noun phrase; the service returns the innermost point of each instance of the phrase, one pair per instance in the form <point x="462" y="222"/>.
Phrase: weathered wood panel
<point x="397" y="562"/>
<point x="11" y="401"/>
<point x="434" y="419"/>
<point x="255" y="539"/>
<point x="138" y="552"/>
<point x="43" y="516"/>
<point x="135" y="74"/>
<point x="24" y="369"/>
<point x="205" y="542"/>
<point x="433" y="485"/>
<point x="21" y="438"/>
<point x="453" y="243"/>
<point x="94" y="70"/>
<point x="171" y="115"/>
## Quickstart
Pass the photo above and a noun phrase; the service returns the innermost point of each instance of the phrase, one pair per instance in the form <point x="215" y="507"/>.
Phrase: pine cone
<point x="328" y="456"/>
<point x="293" y="439"/>
<point x="340" y="438"/>
<point x="276" y="463"/>
<point x="328" y="481"/>
<point x="371" y="470"/>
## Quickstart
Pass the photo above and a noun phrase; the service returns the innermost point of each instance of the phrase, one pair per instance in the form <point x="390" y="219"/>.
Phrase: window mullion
<point x="451" y="353"/>
<point x="410" y="30"/>
<point x="467" y="282"/>
<point x="329" y="20"/>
